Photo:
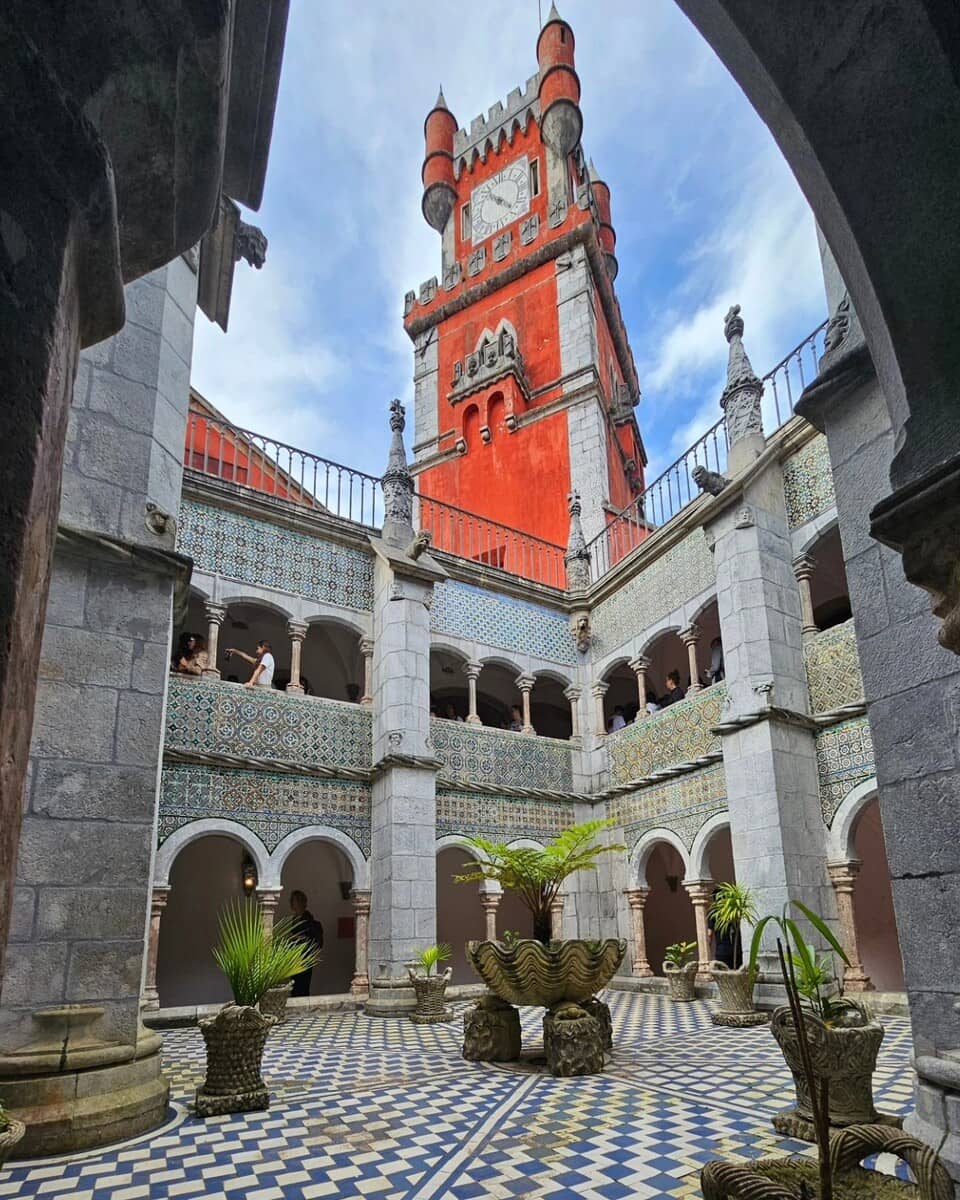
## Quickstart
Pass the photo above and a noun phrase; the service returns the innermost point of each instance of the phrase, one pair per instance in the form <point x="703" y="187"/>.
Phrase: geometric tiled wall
<point x="680" y="805"/>
<point x="497" y="756"/>
<point x="833" y="668"/>
<point x="501" y="818"/>
<point x="678" y="734"/>
<point x="493" y="619"/>
<point x="808" y="483"/>
<point x="844" y="759"/>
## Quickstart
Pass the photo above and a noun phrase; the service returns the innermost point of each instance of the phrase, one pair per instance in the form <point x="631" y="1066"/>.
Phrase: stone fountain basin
<point x="527" y="972"/>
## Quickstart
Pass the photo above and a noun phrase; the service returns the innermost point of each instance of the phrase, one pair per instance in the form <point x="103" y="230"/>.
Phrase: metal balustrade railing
<point x="456" y="531"/>
<point x="264" y="465"/>
<point x="675" y="488"/>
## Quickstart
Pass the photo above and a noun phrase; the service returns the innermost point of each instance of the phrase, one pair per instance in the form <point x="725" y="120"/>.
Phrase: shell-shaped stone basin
<point x="527" y="972"/>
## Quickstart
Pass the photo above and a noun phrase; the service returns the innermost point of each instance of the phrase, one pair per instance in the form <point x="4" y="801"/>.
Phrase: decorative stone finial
<point x="397" y="485"/>
<point x="742" y="395"/>
<point x="577" y="557"/>
<point x="441" y="102"/>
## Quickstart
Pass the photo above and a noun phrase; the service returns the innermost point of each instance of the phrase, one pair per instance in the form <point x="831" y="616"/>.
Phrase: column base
<point x="642" y="970"/>
<point x="473" y="720"/>
<point x="150" y="1000"/>
<point x="390" y="997"/>
<point x="294" y="689"/>
<point x="360" y="985"/>
<point x="858" y="983"/>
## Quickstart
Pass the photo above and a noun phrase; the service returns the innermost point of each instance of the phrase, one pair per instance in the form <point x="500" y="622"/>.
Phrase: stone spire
<point x="577" y="557"/>
<point x="397" y="485"/>
<point x="741" y="397"/>
<point x="441" y="102"/>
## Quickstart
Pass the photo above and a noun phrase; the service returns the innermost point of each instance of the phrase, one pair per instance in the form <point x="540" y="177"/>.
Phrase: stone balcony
<point x="833" y="669"/>
<point x="678" y="736"/>
<point x="477" y="754"/>
<point x="209" y="717"/>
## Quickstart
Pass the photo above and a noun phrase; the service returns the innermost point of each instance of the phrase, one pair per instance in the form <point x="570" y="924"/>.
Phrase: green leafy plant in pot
<point x="542" y="970"/>
<point x="843" y="1038"/>
<point x="254" y="959"/>
<point x="733" y="906"/>
<point x="680" y="967"/>
<point x="429" y="985"/>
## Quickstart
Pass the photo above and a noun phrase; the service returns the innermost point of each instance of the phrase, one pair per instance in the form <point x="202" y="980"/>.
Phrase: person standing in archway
<point x="263" y="664"/>
<point x="305" y="929"/>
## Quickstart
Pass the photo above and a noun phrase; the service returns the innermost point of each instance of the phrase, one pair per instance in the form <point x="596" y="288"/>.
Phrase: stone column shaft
<point x="525" y="684"/>
<point x="556" y="918"/>
<point x="701" y="894"/>
<point x="366" y="649"/>
<point x="361" y="916"/>
<point x="573" y="694"/>
<point x="599" y="690"/>
<point x="843" y="876"/>
<point x="472" y="671"/>
<point x="640" y="666"/>
<point x="215" y="614"/>
<point x="297" y="631"/>
<point x="268" y="900"/>
<point x="158" y="902"/>
<point x="803" y="568"/>
<point x="690" y="637"/>
<point x="637" y="898"/>
<point x="490" y="902"/>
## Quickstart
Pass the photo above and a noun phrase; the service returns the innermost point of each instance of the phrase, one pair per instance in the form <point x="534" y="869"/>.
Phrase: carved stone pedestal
<point x="491" y="1031"/>
<point x="601" y="1014"/>
<point x="573" y="1041"/>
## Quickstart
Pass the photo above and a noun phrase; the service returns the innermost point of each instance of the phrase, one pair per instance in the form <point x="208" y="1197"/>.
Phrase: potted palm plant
<point x="11" y="1132"/>
<point x="843" y="1037"/>
<point x="430" y="986"/>
<point x="541" y="970"/>
<point x="836" y="1172"/>
<point x="733" y="906"/>
<point x="254" y="960"/>
<point x="680" y="968"/>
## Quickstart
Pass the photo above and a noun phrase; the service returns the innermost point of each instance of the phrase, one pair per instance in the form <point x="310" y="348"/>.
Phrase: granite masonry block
<point x="56" y="731"/>
<point x="99" y="853"/>
<point x="80" y="791"/>
<point x="104" y="969"/>
<point x="34" y="974"/>
<point x="128" y="603"/>
<point x="70" y="655"/>
<point x="68" y="583"/>
<point x="104" y="913"/>
<point x="22" y="914"/>
<point x="139" y="728"/>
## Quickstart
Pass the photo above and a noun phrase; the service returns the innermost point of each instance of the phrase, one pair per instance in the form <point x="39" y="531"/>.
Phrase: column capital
<point x="525" y="683"/>
<point x="367" y="646"/>
<point x="700" y="891"/>
<point x="599" y="689"/>
<point x="472" y="670"/>
<point x="573" y="693"/>
<point x="215" y="613"/>
<point x="804" y="566"/>
<point x="268" y="897"/>
<point x="691" y="635"/>
<point x="158" y="899"/>
<point x="640" y="664"/>
<point x="361" y="903"/>
<point x="637" y="897"/>
<point x="489" y="901"/>
<point x="843" y="875"/>
<point x="297" y="630"/>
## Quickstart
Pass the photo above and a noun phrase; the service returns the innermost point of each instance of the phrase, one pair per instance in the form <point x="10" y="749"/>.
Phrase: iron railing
<point x="466" y="535"/>
<point x="671" y="492"/>
<point x="263" y="465"/>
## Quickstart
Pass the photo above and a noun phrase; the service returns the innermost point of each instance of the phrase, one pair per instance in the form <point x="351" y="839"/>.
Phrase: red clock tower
<point x="524" y="380"/>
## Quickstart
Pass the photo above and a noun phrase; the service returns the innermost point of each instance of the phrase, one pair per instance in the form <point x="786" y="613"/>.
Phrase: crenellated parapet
<point x="502" y="123"/>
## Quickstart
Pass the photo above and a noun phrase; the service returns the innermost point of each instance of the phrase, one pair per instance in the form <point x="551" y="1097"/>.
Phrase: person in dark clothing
<point x="674" y="691"/>
<point x="305" y="929"/>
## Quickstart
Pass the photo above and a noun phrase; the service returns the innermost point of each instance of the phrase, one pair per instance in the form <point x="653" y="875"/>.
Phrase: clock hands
<point x="499" y="200"/>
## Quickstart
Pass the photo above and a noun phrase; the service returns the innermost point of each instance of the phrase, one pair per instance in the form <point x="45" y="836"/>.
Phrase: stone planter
<point x="846" y="1055"/>
<point x="430" y="991"/>
<point x="782" y="1178"/>
<point x="9" y="1137"/>
<point x="234" y="1039"/>
<point x="274" y="1002"/>
<point x="736" y="997"/>
<point x="527" y="972"/>
<point x="682" y="981"/>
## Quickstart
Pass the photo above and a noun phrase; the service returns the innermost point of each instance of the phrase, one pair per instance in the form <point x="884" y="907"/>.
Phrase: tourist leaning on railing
<point x="191" y="655"/>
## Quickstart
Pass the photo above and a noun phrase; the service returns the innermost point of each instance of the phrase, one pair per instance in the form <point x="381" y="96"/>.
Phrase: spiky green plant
<point x="429" y="958"/>
<point x="253" y="958"/>
<point x="680" y="953"/>
<point x="813" y="975"/>
<point x="536" y="875"/>
<point x="732" y="906"/>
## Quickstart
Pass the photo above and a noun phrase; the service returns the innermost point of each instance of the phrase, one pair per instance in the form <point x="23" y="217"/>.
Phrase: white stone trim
<point x="699" y="862"/>
<point x="457" y="841"/>
<point x="210" y="825"/>
<point x="840" y="845"/>
<point x="806" y="536"/>
<point x="641" y="852"/>
<point x="318" y="833"/>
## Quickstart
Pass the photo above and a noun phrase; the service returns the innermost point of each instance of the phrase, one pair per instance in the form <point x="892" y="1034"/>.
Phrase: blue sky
<point x="706" y="213"/>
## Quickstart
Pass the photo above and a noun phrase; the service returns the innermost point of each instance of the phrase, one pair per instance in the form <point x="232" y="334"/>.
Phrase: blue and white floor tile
<point x="384" y="1109"/>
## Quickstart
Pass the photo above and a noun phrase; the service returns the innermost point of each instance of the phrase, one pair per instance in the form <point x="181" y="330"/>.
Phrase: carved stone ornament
<point x="558" y="212"/>
<point x="428" y="290"/>
<point x="496" y="356"/>
<point x="582" y="633"/>
<point x="452" y="276"/>
<point x="251" y="244"/>
<point x="931" y="560"/>
<point x="529" y="228"/>
<point x="838" y="326"/>
<point x="577" y="557"/>
<point x="527" y="972"/>
<point x="409" y="301"/>
<point x="744" y="391"/>
<point x="396" y="591"/>
<point x="744" y="518"/>
<point x="397" y="483"/>
<point x="477" y="260"/>
<point x="708" y="481"/>
<point x="501" y="245"/>
<point x="420" y="544"/>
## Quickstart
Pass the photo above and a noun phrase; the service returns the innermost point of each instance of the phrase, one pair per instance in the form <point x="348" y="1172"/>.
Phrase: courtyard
<point x="385" y="1108"/>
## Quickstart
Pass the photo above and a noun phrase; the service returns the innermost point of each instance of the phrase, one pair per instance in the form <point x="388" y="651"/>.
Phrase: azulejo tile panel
<point x="679" y="734"/>
<point x="833" y="668"/>
<point x="844" y="759"/>
<point x="224" y="718"/>
<point x="254" y="551"/>
<point x="268" y="803"/>
<point x="501" y="818"/>
<point x="684" y="571"/>
<point x="808" y="482"/>
<point x="478" y="615"/>
<point x="497" y="756"/>
<point x="682" y="805"/>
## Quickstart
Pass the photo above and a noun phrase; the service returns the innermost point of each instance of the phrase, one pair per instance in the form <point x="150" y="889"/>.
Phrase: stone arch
<point x="319" y="833"/>
<point x="331" y="662"/>
<point x="256" y="601"/>
<point x="700" y="851"/>
<point x="197" y="829"/>
<point x="845" y="818"/>
<point x="458" y="841"/>
<point x="813" y="531"/>
<point x="640" y="855"/>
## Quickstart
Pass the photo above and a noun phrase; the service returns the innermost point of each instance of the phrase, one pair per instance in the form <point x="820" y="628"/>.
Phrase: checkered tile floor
<point x="387" y="1109"/>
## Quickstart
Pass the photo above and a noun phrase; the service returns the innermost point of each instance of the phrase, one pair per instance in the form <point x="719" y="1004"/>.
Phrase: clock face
<point x="502" y="198"/>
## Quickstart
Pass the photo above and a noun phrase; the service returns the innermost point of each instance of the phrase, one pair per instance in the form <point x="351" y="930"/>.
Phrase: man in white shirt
<point x="263" y="665"/>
